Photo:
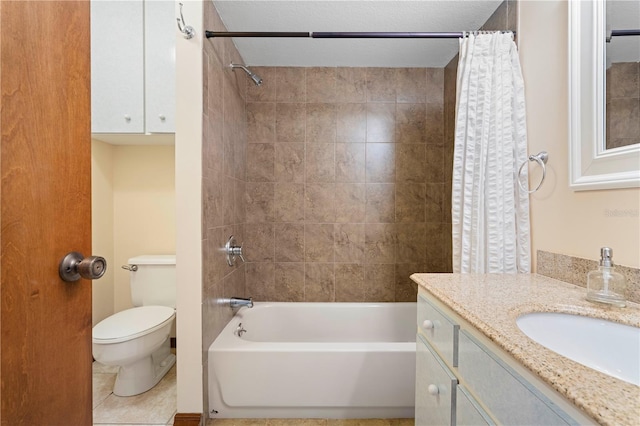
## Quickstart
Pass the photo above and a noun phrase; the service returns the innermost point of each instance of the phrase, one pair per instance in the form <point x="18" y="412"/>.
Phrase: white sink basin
<point x="606" y="346"/>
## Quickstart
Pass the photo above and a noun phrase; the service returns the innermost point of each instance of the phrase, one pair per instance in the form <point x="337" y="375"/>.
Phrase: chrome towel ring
<point x="540" y="158"/>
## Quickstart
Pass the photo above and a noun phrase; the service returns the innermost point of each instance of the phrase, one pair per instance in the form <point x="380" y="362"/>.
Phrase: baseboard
<point x="188" y="419"/>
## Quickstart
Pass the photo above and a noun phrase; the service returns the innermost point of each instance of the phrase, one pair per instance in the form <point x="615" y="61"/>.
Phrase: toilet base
<point x="142" y="375"/>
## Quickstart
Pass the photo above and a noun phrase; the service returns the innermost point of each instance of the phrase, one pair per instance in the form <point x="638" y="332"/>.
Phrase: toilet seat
<point x="132" y="323"/>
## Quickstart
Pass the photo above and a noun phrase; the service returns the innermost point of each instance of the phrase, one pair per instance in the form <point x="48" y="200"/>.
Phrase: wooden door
<point x="45" y="199"/>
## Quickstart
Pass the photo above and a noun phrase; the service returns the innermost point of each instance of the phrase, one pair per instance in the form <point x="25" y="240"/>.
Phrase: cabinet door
<point x="160" y="66"/>
<point x="117" y="73"/>
<point x="435" y="388"/>
<point x="507" y="395"/>
<point x="468" y="411"/>
<point x="441" y="331"/>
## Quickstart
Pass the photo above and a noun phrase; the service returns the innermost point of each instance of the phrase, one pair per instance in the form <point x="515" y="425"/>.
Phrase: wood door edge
<point x="188" y="419"/>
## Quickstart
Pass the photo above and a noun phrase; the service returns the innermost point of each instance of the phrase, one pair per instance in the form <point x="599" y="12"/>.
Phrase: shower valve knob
<point x="233" y="251"/>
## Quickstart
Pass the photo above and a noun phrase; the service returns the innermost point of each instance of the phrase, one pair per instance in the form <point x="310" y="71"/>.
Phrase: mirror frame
<point x="590" y="165"/>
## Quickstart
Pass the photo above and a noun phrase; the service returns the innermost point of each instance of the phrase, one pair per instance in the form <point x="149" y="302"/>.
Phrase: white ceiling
<point x="358" y="15"/>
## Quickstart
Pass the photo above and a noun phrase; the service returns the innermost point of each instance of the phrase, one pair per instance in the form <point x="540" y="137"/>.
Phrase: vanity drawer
<point x="509" y="397"/>
<point x="439" y="330"/>
<point x="468" y="411"/>
<point x="435" y="387"/>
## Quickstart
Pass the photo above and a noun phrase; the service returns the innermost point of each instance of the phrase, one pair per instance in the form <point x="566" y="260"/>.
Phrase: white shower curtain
<point x="490" y="215"/>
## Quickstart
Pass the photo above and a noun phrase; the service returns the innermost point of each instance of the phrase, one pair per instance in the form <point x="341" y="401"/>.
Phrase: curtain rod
<point x="615" y="33"/>
<point x="618" y="33"/>
<point x="212" y="34"/>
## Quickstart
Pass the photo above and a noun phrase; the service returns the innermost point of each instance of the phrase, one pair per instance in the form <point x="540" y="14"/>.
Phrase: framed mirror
<point x="595" y="163"/>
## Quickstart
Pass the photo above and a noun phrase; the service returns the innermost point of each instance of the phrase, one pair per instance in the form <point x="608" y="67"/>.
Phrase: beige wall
<point x="102" y="226"/>
<point x="564" y="221"/>
<point x="189" y="210"/>
<point x="133" y="213"/>
<point x="144" y="219"/>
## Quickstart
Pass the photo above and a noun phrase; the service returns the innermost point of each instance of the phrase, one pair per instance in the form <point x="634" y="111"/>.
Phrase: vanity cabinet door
<point x="509" y="397"/>
<point x="440" y="331"/>
<point x="468" y="411"/>
<point x="435" y="388"/>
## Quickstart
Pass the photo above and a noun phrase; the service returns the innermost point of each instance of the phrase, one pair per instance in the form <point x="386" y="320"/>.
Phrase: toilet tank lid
<point x="129" y="323"/>
<point x="153" y="259"/>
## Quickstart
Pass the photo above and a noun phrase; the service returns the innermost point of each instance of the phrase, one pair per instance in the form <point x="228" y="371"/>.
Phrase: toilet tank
<point x="154" y="282"/>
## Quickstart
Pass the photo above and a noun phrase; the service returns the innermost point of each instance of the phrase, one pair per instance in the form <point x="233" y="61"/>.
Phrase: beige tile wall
<point x="623" y="104"/>
<point x="224" y="146"/>
<point x="345" y="183"/>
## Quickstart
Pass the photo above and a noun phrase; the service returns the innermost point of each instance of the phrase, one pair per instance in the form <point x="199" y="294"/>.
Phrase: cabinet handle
<point x="428" y="324"/>
<point x="433" y="390"/>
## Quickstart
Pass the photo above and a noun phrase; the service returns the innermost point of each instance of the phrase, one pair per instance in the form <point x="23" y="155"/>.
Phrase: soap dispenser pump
<point x="605" y="285"/>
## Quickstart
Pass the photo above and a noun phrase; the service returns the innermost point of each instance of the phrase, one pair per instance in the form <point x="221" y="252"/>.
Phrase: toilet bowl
<point x="136" y="340"/>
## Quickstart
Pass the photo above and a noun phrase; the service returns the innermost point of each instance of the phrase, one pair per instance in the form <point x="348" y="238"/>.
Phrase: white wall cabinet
<point x="133" y="66"/>
<point x="462" y="378"/>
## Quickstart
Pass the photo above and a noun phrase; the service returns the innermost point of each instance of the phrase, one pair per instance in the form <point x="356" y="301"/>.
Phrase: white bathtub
<point x="315" y="360"/>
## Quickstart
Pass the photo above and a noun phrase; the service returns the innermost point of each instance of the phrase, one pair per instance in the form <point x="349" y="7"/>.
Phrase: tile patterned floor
<point x="157" y="406"/>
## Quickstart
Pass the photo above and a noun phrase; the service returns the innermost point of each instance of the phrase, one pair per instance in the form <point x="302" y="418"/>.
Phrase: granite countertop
<point x="492" y="302"/>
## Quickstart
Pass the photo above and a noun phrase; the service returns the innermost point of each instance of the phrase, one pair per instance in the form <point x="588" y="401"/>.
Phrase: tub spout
<point x="237" y="302"/>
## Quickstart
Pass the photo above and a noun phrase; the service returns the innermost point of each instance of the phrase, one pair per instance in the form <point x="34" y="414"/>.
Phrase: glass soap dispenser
<point x="605" y="285"/>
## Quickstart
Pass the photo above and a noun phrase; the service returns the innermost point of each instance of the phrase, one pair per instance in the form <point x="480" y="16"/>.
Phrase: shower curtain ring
<point x="540" y="158"/>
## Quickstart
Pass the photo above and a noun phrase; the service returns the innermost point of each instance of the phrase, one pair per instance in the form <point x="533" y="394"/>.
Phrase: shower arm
<point x="256" y="79"/>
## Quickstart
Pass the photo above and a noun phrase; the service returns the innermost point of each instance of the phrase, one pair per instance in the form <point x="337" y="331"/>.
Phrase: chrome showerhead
<point x="256" y="79"/>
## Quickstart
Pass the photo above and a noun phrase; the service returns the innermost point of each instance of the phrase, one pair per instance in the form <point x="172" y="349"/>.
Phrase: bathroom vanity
<point x="475" y="366"/>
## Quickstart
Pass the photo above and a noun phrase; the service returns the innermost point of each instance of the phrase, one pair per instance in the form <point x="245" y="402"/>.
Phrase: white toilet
<point x="137" y="339"/>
